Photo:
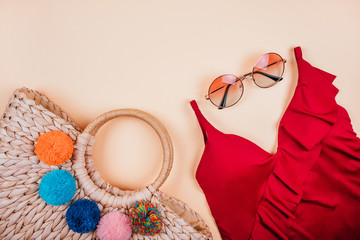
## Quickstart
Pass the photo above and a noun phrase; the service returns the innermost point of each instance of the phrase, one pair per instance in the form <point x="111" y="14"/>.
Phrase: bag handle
<point x="159" y="128"/>
<point x="89" y="179"/>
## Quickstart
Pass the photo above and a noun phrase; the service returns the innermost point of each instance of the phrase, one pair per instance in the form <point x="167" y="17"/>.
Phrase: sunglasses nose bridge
<point x="248" y="75"/>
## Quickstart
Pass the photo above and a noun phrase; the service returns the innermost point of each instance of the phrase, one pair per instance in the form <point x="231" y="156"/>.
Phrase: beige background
<point x="93" y="56"/>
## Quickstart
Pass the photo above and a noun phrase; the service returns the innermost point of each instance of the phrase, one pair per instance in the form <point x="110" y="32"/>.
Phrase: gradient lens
<point x="268" y="70"/>
<point x="225" y="91"/>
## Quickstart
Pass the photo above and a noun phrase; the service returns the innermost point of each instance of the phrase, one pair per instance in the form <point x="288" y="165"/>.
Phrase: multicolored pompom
<point x="145" y="218"/>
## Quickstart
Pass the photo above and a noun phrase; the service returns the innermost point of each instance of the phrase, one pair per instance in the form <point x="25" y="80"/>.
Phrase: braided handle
<point x="159" y="128"/>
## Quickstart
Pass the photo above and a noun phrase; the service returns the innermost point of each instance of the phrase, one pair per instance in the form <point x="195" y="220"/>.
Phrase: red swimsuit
<point x="308" y="189"/>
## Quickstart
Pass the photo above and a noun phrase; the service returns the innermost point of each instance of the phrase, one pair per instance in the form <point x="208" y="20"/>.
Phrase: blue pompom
<point x="83" y="216"/>
<point x="57" y="187"/>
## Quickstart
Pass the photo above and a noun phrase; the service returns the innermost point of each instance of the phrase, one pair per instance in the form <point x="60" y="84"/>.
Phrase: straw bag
<point x="26" y="215"/>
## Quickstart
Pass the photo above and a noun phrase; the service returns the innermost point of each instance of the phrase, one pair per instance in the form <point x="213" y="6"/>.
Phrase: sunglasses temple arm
<point x="223" y="101"/>
<point x="239" y="79"/>
<point x="275" y="78"/>
<point x="284" y="60"/>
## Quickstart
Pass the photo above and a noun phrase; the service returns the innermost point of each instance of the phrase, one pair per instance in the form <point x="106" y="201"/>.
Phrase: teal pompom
<point x="57" y="187"/>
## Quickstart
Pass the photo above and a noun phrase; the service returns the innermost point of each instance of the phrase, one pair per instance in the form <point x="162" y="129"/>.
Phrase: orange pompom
<point x="54" y="148"/>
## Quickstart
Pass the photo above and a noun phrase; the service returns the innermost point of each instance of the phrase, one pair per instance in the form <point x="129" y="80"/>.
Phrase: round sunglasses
<point x="226" y="90"/>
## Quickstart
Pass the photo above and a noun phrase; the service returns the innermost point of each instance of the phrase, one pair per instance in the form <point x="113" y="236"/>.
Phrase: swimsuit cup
<point x="308" y="189"/>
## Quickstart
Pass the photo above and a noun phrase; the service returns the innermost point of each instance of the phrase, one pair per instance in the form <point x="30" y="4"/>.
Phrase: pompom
<point x="114" y="226"/>
<point x="54" y="148"/>
<point x="145" y="218"/>
<point x="82" y="216"/>
<point x="57" y="187"/>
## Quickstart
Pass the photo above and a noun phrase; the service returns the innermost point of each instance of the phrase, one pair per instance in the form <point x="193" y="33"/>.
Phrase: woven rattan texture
<point x="24" y="215"/>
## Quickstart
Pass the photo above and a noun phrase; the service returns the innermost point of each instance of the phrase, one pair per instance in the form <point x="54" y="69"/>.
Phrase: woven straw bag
<point x="25" y="215"/>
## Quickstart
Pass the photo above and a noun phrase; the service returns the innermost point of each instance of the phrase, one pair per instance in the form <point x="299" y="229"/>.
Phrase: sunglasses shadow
<point x="204" y="84"/>
<point x="248" y="63"/>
